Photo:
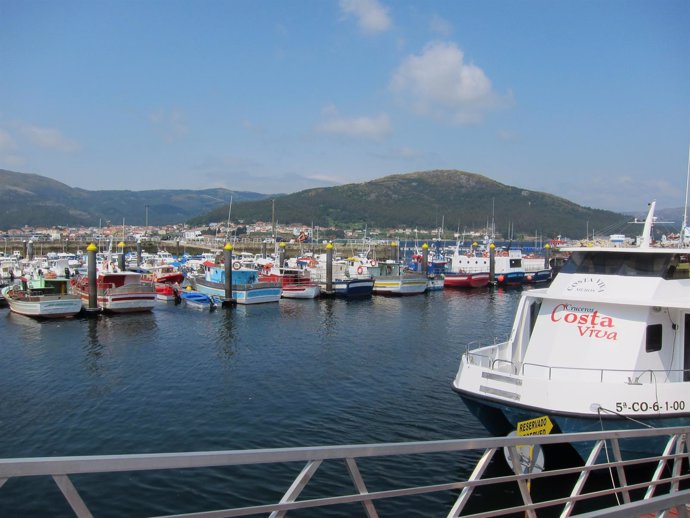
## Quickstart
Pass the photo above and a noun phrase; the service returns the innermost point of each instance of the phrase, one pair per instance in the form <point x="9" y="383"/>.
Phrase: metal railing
<point x="630" y="376"/>
<point x="662" y="490"/>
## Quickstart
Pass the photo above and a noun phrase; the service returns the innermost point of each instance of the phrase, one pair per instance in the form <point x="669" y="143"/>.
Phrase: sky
<point x="584" y="99"/>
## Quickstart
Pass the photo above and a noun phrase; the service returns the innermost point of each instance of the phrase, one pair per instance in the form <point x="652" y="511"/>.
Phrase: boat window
<point x="533" y="314"/>
<point x="633" y="264"/>
<point x="516" y="263"/>
<point x="653" y="338"/>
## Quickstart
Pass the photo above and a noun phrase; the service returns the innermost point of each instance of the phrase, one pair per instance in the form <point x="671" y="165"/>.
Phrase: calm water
<point x="297" y="373"/>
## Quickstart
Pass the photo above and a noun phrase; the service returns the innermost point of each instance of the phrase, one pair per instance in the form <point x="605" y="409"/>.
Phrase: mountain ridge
<point x="421" y="199"/>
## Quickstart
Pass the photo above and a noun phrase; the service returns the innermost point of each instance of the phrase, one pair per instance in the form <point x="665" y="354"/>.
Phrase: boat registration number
<point x="656" y="406"/>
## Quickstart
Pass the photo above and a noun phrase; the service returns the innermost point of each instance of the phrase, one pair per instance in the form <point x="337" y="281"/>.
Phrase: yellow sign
<point x="537" y="426"/>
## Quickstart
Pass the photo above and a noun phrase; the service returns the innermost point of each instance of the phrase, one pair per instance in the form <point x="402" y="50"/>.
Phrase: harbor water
<point x="295" y="373"/>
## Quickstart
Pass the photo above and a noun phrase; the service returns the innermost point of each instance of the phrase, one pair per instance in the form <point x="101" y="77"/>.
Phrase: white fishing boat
<point x="390" y="279"/>
<point x="605" y="346"/>
<point x="117" y="292"/>
<point x="41" y="298"/>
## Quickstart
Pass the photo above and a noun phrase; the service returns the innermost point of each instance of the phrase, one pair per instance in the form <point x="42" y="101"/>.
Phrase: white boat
<point x="390" y="279"/>
<point x="295" y="282"/>
<point x="508" y="267"/>
<point x="42" y="299"/>
<point x="605" y="346"/>
<point x="117" y="292"/>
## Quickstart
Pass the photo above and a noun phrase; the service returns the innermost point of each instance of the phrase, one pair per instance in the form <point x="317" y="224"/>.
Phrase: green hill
<point x="34" y="200"/>
<point x="423" y="200"/>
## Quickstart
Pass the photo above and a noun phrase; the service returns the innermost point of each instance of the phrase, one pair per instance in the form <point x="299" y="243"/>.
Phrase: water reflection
<point x="226" y="335"/>
<point x="93" y="349"/>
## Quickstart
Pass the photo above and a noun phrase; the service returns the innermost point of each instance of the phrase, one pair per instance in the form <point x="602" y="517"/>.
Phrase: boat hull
<point x="467" y="280"/>
<point x="46" y="306"/>
<point x="301" y="291"/>
<point x="515" y="278"/>
<point x="500" y="418"/>
<point x="258" y="293"/>
<point x="353" y="288"/>
<point x="198" y="300"/>
<point x="397" y="285"/>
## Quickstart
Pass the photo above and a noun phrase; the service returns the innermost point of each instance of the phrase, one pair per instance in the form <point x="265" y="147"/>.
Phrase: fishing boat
<point x="467" y="279"/>
<point x="295" y="282"/>
<point x="117" y="292"/>
<point x="467" y="268"/>
<point x="351" y="288"/>
<point x="41" y="298"/>
<point x="166" y="280"/>
<point x="246" y="287"/>
<point x="435" y="273"/>
<point x="348" y="279"/>
<point x="198" y="300"/>
<point x="605" y="346"/>
<point x="390" y="279"/>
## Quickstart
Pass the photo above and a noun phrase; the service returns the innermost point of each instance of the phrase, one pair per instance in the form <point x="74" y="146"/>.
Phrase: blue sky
<point x="586" y="99"/>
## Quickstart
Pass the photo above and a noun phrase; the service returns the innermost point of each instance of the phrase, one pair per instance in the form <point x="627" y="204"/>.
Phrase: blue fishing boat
<point x="246" y="287"/>
<point x="196" y="299"/>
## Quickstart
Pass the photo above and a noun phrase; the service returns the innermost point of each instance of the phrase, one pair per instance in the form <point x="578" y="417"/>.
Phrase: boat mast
<point x="683" y="230"/>
<point x="647" y="230"/>
<point x="227" y="227"/>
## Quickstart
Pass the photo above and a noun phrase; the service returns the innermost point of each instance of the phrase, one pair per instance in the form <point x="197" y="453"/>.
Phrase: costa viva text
<point x="588" y="321"/>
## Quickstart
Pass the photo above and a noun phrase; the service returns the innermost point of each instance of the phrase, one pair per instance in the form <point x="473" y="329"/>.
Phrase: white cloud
<point x="439" y="83"/>
<point x="359" y="127"/>
<point x="371" y="16"/>
<point x="440" y="25"/>
<point x="7" y="143"/>
<point x="171" y="125"/>
<point x="49" y="138"/>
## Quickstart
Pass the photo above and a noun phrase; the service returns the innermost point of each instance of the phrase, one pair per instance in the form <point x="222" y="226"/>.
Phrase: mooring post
<point x="91" y="275"/>
<point x="425" y="258"/>
<point x="227" y="250"/>
<point x="121" y="258"/>
<point x="547" y="256"/>
<point x="138" y="253"/>
<point x="394" y="252"/>
<point x="329" y="268"/>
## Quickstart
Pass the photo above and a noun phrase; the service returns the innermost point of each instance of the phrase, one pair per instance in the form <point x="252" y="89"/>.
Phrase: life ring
<point x="236" y="265"/>
<point x="360" y="270"/>
<point x="374" y="262"/>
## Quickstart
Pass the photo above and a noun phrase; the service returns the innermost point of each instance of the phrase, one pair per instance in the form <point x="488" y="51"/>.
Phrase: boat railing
<point x="135" y="287"/>
<point x="629" y="376"/>
<point x="617" y="493"/>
